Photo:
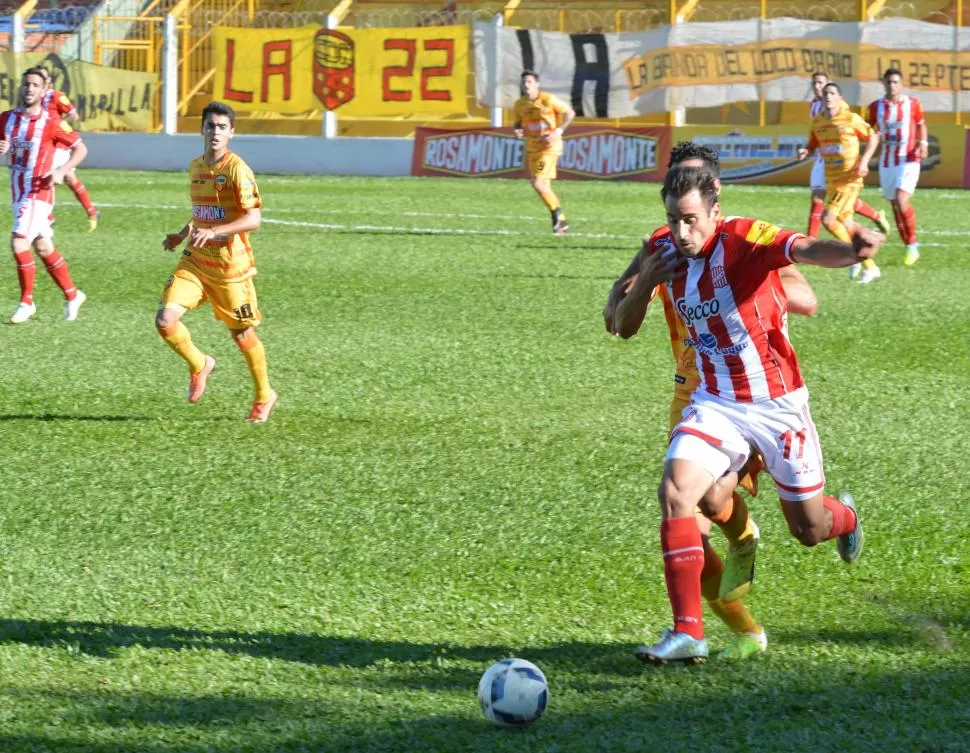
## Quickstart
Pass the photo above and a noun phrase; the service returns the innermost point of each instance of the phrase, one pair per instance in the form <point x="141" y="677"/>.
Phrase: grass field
<point x="462" y="467"/>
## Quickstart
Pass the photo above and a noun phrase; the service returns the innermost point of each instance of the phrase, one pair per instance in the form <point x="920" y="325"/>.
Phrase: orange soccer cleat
<point x="198" y="379"/>
<point x="259" y="413"/>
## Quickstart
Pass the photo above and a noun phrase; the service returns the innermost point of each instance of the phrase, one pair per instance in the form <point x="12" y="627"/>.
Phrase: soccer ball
<point x="513" y="693"/>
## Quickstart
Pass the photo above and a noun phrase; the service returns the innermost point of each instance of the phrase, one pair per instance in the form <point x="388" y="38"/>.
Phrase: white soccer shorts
<point x="818" y="175"/>
<point x="718" y="435"/>
<point x="899" y="177"/>
<point x="31" y="219"/>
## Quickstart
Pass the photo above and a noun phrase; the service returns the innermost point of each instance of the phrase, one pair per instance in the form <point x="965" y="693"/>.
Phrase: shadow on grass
<point x="66" y="417"/>
<point x="787" y="711"/>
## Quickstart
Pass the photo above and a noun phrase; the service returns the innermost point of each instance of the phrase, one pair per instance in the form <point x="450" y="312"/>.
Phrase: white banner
<point x="711" y="64"/>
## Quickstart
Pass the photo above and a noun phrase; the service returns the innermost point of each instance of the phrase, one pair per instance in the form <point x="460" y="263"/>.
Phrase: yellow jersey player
<point x="218" y="264"/>
<point x="541" y="118"/>
<point x="837" y="133"/>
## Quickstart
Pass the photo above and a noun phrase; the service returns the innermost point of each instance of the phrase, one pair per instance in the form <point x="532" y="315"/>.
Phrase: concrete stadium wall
<point x="264" y="154"/>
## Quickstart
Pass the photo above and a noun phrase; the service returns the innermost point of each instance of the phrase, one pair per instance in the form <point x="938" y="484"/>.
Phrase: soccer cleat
<point x="198" y="379"/>
<point x="882" y="223"/>
<point x="22" y="313"/>
<point x="912" y="255"/>
<point x="850" y="544"/>
<point x="93" y="221"/>
<point x="560" y="227"/>
<point x="259" y="413"/>
<point x="854" y="271"/>
<point x="739" y="568"/>
<point x="72" y="306"/>
<point x="745" y="646"/>
<point x="674" y="646"/>
<point x="869" y="275"/>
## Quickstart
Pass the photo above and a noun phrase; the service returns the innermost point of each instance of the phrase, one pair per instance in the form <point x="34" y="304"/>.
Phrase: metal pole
<point x="497" y="119"/>
<point x="761" y="86"/>
<point x="170" y="76"/>
<point x="17" y="34"/>
<point x="959" y="36"/>
<point x="329" y="116"/>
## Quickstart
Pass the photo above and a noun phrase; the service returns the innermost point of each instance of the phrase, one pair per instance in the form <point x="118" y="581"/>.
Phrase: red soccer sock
<point x="815" y="218"/>
<point x="908" y="229"/>
<point x="82" y="195"/>
<point x="26" y="272"/>
<point x="843" y="518"/>
<point x="57" y="267"/>
<point x="683" y="553"/>
<point x="865" y="210"/>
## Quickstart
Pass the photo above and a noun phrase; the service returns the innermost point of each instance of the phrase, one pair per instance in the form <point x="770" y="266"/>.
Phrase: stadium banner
<point x="712" y="64"/>
<point x="107" y="99"/>
<point x="356" y="72"/>
<point x="589" y="152"/>
<point x="768" y="155"/>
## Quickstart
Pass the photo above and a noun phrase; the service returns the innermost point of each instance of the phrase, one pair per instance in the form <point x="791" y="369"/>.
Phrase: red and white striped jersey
<point x="33" y="140"/>
<point x="897" y="123"/>
<point x="734" y="306"/>
<point x="57" y="103"/>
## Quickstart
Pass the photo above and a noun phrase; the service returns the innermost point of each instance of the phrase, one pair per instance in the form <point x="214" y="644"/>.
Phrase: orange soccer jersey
<point x="539" y="118"/>
<point x="221" y="194"/>
<point x="838" y="140"/>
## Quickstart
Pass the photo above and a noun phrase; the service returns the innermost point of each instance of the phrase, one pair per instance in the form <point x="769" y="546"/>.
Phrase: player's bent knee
<point x="674" y="503"/>
<point x="166" y="318"/>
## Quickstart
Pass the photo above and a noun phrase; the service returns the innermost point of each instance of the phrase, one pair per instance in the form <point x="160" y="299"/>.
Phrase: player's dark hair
<point x="34" y="71"/>
<point x="44" y="70"/>
<point x="832" y="85"/>
<point x="219" y="108"/>
<point x="892" y="72"/>
<point x="820" y="74"/>
<point x="680" y="181"/>
<point x="530" y="73"/>
<point x="688" y="150"/>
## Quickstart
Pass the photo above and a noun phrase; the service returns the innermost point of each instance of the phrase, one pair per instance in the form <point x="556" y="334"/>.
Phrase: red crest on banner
<point x="333" y="68"/>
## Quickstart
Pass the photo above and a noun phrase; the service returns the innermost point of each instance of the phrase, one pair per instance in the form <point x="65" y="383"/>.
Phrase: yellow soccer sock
<point x="839" y="231"/>
<point x="549" y="198"/>
<point x="868" y="264"/>
<point x="735" y="615"/>
<point x="178" y="338"/>
<point x="255" y="355"/>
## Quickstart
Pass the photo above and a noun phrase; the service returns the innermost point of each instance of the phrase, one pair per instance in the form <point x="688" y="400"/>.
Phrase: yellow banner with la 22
<point x="355" y="72"/>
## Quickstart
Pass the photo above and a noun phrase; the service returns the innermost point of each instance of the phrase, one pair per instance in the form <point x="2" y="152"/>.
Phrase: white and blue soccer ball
<point x="513" y="693"/>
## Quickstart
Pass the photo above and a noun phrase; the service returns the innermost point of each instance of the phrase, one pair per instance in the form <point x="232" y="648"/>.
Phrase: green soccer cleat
<point x="745" y="646"/>
<point x="882" y="223"/>
<point x="738" y="572"/>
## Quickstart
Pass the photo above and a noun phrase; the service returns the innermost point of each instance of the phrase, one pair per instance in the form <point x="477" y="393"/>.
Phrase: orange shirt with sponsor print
<point x="221" y="194"/>
<point x="837" y="139"/>
<point x="540" y="117"/>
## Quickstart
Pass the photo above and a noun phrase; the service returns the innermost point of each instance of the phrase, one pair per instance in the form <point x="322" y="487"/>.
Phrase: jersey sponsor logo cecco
<point x="703" y="310"/>
<point x="207" y="213"/>
<point x="473" y="153"/>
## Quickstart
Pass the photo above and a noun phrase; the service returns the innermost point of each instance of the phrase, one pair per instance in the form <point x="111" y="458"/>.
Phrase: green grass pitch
<point x="462" y="467"/>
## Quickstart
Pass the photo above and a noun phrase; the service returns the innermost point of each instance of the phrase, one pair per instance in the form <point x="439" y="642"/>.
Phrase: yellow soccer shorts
<point x="233" y="303"/>
<point x="543" y="165"/>
<point x="840" y="200"/>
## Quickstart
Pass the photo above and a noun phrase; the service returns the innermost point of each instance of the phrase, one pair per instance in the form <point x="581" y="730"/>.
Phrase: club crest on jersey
<point x="718" y="277"/>
<point x="703" y="310"/>
<point x="221" y="182"/>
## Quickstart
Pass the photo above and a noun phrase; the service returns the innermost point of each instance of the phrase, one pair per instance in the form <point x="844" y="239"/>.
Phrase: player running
<point x="723" y="280"/>
<point x="898" y="118"/>
<point x="30" y="134"/>
<point x="817" y="181"/>
<point x="218" y="264"/>
<point x="722" y="584"/>
<point x="837" y="133"/>
<point x="541" y="118"/>
<point x="58" y="103"/>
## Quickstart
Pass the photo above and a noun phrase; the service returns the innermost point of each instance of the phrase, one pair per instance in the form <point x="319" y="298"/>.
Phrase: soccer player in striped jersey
<point x="59" y="103"/>
<point x="817" y="181"/>
<point x="722" y="584"/>
<point x="218" y="265"/>
<point x="837" y="134"/>
<point x="724" y="283"/>
<point x="30" y="134"/>
<point x="898" y="118"/>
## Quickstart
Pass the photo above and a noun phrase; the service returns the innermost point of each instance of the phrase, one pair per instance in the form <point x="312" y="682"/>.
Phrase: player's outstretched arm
<point x="798" y="290"/>
<point x="834" y="254"/>
<point x="619" y="289"/>
<point x="655" y="269"/>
